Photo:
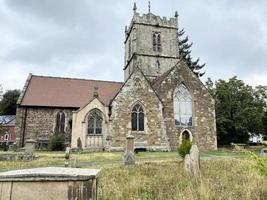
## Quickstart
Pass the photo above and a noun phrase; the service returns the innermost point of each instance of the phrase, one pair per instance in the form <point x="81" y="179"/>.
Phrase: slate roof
<point x="8" y="120"/>
<point x="66" y="92"/>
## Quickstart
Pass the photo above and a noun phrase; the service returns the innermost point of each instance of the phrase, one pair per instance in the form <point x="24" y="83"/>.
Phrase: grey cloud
<point x="84" y="38"/>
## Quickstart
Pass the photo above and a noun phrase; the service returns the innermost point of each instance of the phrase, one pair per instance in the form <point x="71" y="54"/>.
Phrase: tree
<point x="8" y="104"/>
<point x="239" y="110"/>
<point x="185" y="54"/>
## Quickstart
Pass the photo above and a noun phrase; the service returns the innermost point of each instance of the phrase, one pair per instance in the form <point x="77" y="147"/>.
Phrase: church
<point x="160" y="102"/>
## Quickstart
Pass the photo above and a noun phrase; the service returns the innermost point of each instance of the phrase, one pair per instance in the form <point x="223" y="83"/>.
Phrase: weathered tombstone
<point x="67" y="156"/>
<point x="192" y="162"/>
<point x="195" y="160"/>
<point x="128" y="158"/>
<point x="187" y="164"/>
<point x="263" y="152"/>
<point x="49" y="183"/>
<point x="30" y="147"/>
<point x="79" y="149"/>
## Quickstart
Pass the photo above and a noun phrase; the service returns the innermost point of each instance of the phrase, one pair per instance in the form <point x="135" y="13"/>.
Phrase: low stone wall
<point x="53" y="183"/>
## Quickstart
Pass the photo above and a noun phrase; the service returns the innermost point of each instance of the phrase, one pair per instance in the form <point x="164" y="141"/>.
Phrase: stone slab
<point x="50" y="174"/>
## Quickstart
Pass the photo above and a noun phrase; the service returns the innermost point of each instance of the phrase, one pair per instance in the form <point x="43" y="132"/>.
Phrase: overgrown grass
<point x="160" y="175"/>
<point x="221" y="179"/>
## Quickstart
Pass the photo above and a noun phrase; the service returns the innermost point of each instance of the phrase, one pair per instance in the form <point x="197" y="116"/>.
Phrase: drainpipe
<point x="24" y="127"/>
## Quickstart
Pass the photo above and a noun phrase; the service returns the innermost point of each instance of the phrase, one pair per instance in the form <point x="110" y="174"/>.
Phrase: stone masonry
<point x="152" y="73"/>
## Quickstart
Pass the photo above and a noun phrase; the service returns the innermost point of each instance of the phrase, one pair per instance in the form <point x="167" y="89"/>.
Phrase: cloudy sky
<point x="84" y="38"/>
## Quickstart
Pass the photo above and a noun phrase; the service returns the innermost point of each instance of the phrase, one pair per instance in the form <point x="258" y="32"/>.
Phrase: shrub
<point x="261" y="163"/>
<point x="184" y="148"/>
<point x="57" y="142"/>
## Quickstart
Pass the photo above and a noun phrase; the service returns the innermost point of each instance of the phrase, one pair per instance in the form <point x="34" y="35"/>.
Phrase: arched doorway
<point x="185" y="135"/>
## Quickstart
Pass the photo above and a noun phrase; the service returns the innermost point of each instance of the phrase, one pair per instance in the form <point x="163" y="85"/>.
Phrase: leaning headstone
<point x="67" y="156"/>
<point x="128" y="158"/>
<point x="195" y="160"/>
<point x="192" y="162"/>
<point x="187" y="164"/>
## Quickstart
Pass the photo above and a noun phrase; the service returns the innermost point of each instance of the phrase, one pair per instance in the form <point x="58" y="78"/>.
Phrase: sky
<point x="84" y="39"/>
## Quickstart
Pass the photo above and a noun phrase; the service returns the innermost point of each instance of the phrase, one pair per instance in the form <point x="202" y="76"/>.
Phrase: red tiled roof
<point x="67" y="92"/>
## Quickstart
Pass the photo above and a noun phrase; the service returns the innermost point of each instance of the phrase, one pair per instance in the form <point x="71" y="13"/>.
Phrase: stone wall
<point x="39" y="122"/>
<point x="139" y="44"/>
<point x="203" y="128"/>
<point x="154" y="134"/>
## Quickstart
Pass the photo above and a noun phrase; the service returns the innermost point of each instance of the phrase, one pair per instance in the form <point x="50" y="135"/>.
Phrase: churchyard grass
<point x="100" y="159"/>
<point x="160" y="175"/>
<point x="221" y="179"/>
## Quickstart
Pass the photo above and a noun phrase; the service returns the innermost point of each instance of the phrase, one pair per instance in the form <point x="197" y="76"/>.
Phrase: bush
<point x="184" y="148"/>
<point x="261" y="163"/>
<point x="57" y="142"/>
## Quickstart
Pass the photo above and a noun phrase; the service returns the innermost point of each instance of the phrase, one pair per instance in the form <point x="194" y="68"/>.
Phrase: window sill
<point x="178" y="126"/>
<point x="92" y="134"/>
<point x="139" y="132"/>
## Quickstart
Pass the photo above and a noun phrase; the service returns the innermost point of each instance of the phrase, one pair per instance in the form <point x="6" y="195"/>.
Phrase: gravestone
<point x="67" y="156"/>
<point x="263" y="152"/>
<point x="128" y="158"/>
<point x="30" y="147"/>
<point x="195" y="160"/>
<point x="49" y="183"/>
<point x="187" y="164"/>
<point x="192" y="162"/>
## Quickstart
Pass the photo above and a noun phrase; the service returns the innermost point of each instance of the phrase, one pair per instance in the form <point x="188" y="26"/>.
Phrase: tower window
<point x="156" y="40"/>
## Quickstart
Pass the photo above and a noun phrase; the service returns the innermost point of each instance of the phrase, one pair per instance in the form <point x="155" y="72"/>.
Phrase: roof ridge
<point x="82" y="79"/>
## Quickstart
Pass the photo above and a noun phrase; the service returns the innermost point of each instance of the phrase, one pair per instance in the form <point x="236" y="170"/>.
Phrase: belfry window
<point x="156" y="40"/>
<point x="60" y="123"/>
<point x="95" y="122"/>
<point x="182" y="103"/>
<point x="138" y="118"/>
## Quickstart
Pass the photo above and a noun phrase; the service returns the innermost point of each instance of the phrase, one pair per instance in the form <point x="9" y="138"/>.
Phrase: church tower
<point x="151" y="43"/>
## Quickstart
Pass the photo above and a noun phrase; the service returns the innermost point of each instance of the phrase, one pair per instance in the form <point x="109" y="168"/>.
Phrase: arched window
<point x="60" y="123"/>
<point x="138" y="118"/>
<point x="95" y="122"/>
<point x="182" y="103"/>
<point x="6" y="136"/>
<point x="159" y="42"/>
<point x="156" y="41"/>
<point x="137" y="83"/>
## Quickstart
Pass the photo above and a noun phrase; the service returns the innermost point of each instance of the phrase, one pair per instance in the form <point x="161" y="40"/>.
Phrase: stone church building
<point x="160" y="102"/>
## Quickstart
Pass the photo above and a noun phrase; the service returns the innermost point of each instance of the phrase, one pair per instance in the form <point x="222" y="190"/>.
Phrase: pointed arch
<point x="185" y="135"/>
<point x="183" y="106"/>
<point x="62" y="123"/>
<point x="57" y="122"/>
<point x="138" y="117"/>
<point x="94" y="122"/>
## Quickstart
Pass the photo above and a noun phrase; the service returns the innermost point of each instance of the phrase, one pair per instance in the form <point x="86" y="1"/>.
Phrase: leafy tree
<point x="8" y="104"/>
<point x="239" y="110"/>
<point x="185" y="54"/>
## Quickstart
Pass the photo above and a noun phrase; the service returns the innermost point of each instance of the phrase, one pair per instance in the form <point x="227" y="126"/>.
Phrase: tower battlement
<point x="153" y="20"/>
